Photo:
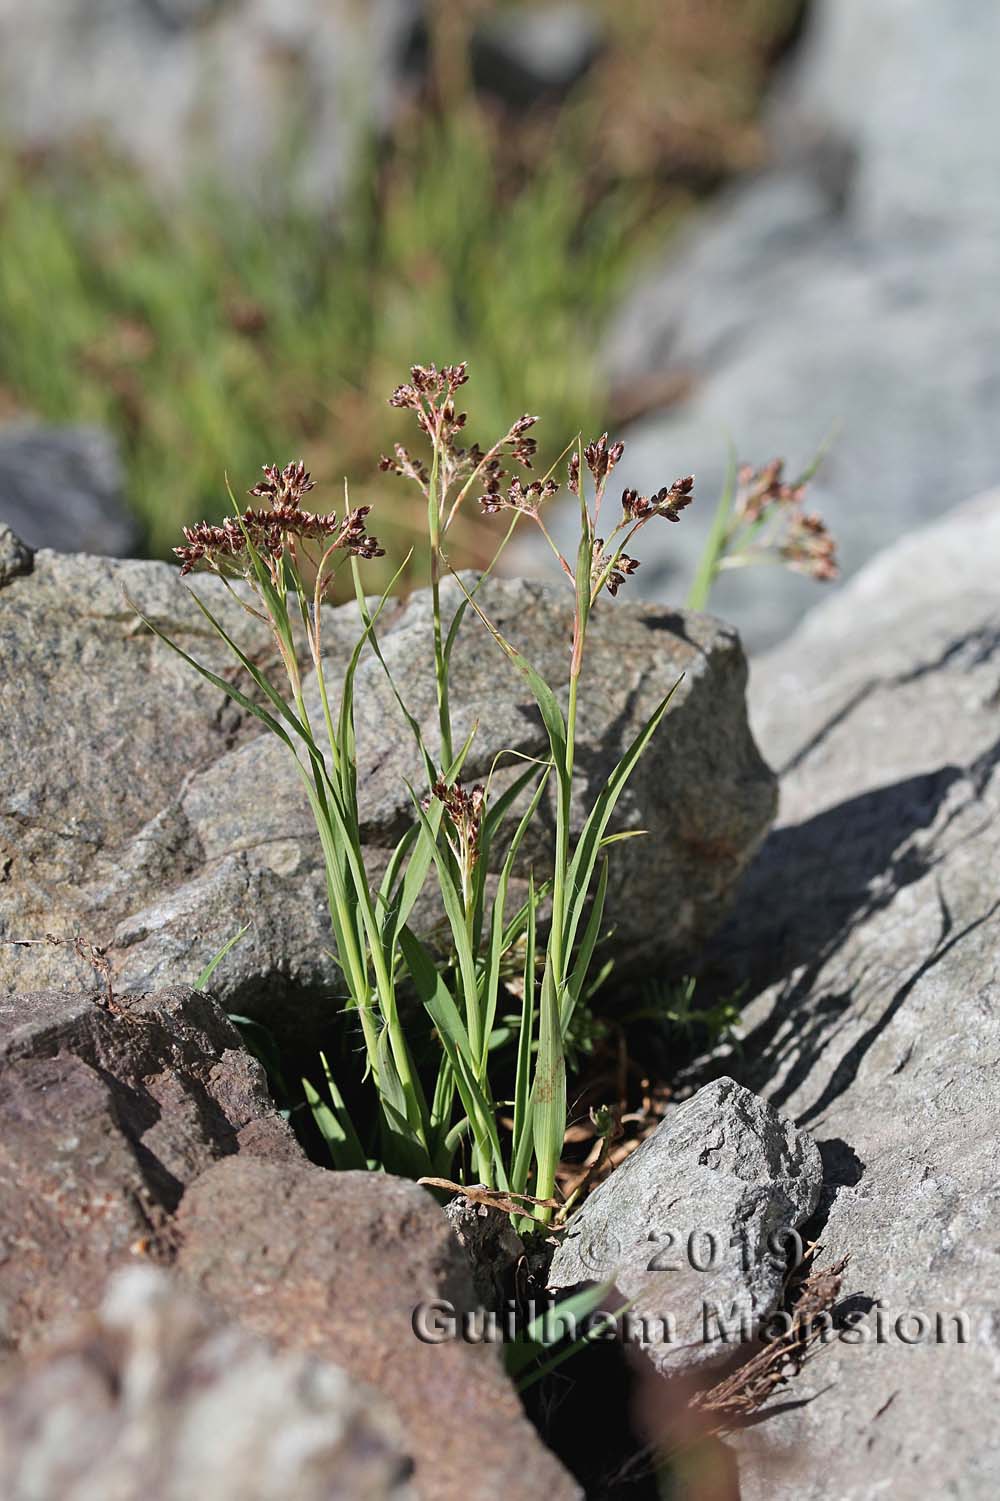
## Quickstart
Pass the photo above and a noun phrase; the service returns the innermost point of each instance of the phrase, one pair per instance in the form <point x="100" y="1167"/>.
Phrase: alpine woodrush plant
<point x="279" y="560"/>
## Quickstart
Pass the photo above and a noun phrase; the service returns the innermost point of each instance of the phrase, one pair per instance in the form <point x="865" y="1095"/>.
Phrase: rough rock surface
<point x="143" y="811"/>
<point x="492" y="1247"/>
<point x="16" y="557"/>
<point x="105" y="1116"/>
<point x="336" y="1264"/>
<point x="696" y="1226"/>
<point x="821" y="297"/>
<point x="134" y="1404"/>
<point x="178" y="85"/>
<point x="62" y="487"/>
<point x="869" y="932"/>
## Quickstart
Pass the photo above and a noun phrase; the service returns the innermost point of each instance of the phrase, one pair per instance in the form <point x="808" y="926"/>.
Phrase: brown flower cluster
<point x="611" y="564"/>
<point x="669" y="501"/>
<point x="428" y="384"/>
<point x="519" y="497"/>
<point x="600" y="457"/>
<point x="465" y="811"/>
<point x="273" y="529"/>
<point x="807" y="545"/>
<point x="809" y="548"/>
<point x="430" y="395"/>
<point x="284" y="488"/>
<point x="623" y="567"/>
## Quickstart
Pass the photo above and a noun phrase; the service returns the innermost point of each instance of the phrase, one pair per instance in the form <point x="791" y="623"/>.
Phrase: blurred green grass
<point x="212" y="335"/>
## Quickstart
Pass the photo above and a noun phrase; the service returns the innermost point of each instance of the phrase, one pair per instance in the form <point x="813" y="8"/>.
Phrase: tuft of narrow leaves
<point x="440" y="1112"/>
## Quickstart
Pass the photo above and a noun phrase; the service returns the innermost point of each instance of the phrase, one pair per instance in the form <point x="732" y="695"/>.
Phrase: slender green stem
<point x="715" y="544"/>
<point x="434" y="507"/>
<point x="558" y="955"/>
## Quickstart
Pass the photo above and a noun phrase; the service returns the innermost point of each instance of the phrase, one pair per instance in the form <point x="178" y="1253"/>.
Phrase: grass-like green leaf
<point x="585" y="953"/>
<point x="218" y="957"/>
<point x="457" y="919"/>
<point x="548" y="1102"/>
<point x="334" y="1123"/>
<point x="525" y="1042"/>
<point x="588" y="846"/>
<point x="496" y="947"/>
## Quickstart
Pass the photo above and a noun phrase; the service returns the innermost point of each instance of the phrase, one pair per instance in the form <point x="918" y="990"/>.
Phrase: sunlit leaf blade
<point x="588" y="845"/>
<point x="218" y="957"/>
<point x="525" y="1040"/>
<point x="454" y="1036"/>
<point x="455" y="910"/>
<point x="496" y="949"/>
<point x="549" y="1094"/>
<point x="585" y="953"/>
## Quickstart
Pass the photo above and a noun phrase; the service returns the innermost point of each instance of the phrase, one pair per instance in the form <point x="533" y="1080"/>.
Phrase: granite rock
<point x="339" y="1266"/>
<point x="155" y="1398"/>
<point x="178" y="86"/>
<point x="868" y="934"/>
<point x="134" y="814"/>
<point x="696" y="1228"/>
<point x="63" y="487"/>
<point x="818" y="300"/>
<point x="105" y="1116"/>
<point x="528" y="53"/>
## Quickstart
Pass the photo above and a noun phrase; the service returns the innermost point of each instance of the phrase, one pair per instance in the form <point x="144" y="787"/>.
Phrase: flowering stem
<point x="434" y="508"/>
<point x="715" y="545"/>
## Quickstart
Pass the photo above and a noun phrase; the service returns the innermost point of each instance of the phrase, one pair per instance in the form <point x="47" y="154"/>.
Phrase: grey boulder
<point x="697" y="1228"/>
<point x="146" y="811"/>
<point x="154" y="1397"/>
<point x="364" y="1270"/>
<point x="63" y="487"/>
<point x="819" y="299"/>
<point x="529" y="52"/>
<point x="105" y="1116"/>
<point x="868" y="933"/>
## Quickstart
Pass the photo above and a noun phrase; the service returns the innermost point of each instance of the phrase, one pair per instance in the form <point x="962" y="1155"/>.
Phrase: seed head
<point x="809" y="548"/>
<point x="465" y="812"/>
<point x="805" y="542"/>
<point x="668" y="502"/>
<point x="519" y="497"/>
<point x="274" y="529"/>
<point x="602" y="458"/>
<point x="284" y="488"/>
<point x="623" y="567"/>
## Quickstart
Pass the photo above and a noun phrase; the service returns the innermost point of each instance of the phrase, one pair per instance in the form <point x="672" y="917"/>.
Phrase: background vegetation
<point x="211" y="335"/>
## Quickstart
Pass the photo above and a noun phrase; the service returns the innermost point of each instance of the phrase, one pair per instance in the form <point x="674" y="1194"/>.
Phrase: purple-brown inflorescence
<point x="276" y="528"/>
<point x="668" y="502"/>
<point x="519" y="497"/>
<point x="602" y="457"/>
<point x="465" y="813"/>
<point x="430" y="394"/>
<point x="809" y="548"/>
<point x="612" y="570"/>
<point x="284" y="488"/>
<point x="764" y="495"/>
<point x="611" y="564"/>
